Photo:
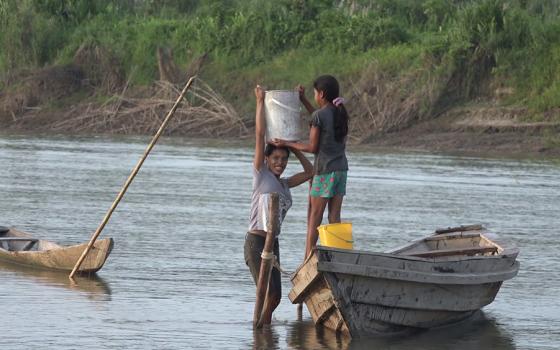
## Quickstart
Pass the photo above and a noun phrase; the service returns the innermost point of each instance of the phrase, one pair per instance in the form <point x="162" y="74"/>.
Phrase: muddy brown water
<point x="176" y="277"/>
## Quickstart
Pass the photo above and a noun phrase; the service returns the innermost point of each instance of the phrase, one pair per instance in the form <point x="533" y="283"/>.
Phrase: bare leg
<point x="318" y="205"/>
<point x="335" y="206"/>
<point x="309" y="201"/>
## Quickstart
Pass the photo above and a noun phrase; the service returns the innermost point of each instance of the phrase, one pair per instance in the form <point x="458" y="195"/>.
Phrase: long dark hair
<point x="329" y="86"/>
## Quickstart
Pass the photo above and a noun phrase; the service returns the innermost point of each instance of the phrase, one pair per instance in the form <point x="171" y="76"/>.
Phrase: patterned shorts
<point x="329" y="185"/>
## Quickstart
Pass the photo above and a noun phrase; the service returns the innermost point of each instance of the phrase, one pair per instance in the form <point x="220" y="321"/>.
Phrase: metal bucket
<point x="282" y="115"/>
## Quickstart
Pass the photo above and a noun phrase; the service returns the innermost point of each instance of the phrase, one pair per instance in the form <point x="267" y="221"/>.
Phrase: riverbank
<point x="56" y="100"/>
<point x="73" y="99"/>
<point x="478" y="130"/>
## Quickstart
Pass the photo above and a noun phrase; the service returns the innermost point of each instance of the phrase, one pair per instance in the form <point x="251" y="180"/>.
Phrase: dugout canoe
<point x="21" y="248"/>
<point x="435" y="281"/>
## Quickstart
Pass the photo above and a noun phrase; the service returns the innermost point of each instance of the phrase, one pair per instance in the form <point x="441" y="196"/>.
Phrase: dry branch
<point x="205" y="113"/>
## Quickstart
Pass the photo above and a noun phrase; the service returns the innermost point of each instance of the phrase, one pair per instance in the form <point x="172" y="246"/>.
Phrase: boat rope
<point x="267" y="255"/>
<point x="275" y="263"/>
<point x="282" y="271"/>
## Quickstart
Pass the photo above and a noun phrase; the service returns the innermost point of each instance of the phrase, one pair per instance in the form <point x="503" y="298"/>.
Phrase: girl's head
<point x="276" y="158"/>
<point x="326" y="90"/>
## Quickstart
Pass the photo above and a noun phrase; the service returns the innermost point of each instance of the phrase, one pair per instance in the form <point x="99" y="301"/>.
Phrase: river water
<point x="176" y="278"/>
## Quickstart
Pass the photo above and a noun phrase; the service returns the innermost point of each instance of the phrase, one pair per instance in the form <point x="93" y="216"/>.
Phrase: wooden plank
<point x="454" y="264"/>
<point x="8" y="239"/>
<point x="459" y="228"/>
<point x="342" y="297"/>
<point x="325" y="313"/>
<point x="438" y="277"/>
<point x="427" y="296"/>
<point x="448" y="252"/>
<point x="304" y="279"/>
<point x="319" y="300"/>
<point x="28" y="246"/>
<point x="458" y="264"/>
<point x="454" y="236"/>
<point x="378" y="319"/>
<point x="323" y="308"/>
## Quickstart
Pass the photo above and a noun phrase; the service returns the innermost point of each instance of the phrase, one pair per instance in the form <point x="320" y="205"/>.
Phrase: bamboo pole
<point x="267" y="259"/>
<point x="131" y="177"/>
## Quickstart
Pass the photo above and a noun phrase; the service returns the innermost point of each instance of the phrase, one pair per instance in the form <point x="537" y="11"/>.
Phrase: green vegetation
<point x="473" y="45"/>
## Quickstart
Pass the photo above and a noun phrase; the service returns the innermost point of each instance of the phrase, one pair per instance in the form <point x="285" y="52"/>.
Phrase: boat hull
<point x="54" y="257"/>
<point x="362" y="293"/>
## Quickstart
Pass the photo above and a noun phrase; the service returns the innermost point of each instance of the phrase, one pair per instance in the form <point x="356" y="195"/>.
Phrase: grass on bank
<point x="471" y="46"/>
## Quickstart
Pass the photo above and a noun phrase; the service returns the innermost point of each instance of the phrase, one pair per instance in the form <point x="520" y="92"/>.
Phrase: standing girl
<point x="327" y="140"/>
<point x="269" y="163"/>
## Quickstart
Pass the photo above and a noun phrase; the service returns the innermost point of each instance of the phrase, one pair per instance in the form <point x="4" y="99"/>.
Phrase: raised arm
<point x="299" y="178"/>
<point x="260" y="127"/>
<point x="304" y="100"/>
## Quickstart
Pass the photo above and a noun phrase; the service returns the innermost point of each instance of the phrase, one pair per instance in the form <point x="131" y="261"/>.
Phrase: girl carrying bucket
<point x="268" y="165"/>
<point x="327" y="140"/>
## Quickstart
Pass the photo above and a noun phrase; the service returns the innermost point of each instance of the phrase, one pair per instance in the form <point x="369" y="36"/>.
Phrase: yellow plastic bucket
<point x="336" y="235"/>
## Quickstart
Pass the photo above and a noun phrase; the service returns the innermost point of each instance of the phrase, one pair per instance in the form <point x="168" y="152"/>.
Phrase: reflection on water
<point x="176" y="278"/>
<point x="92" y="286"/>
<point x="479" y="332"/>
<point x="265" y="338"/>
<point x="305" y="335"/>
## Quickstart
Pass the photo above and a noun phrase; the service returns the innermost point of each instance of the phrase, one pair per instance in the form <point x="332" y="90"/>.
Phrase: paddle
<point x="131" y="177"/>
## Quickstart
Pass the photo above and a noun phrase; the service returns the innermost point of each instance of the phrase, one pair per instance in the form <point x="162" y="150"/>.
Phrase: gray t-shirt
<point x="264" y="183"/>
<point x="332" y="155"/>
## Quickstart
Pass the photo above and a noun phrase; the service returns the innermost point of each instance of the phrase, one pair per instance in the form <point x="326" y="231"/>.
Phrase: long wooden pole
<point x="131" y="177"/>
<point x="267" y="259"/>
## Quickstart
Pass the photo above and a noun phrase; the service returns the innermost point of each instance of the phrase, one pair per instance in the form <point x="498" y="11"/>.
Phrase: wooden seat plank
<point x="447" y="252"/>
<point x="23" y="239"/>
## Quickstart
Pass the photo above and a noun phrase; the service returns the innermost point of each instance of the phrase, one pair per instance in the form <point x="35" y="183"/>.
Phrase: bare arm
<point x="260" y="126"/>
<point x="311" y="147"/>
<point x="304" y="100"/>
<point x="299" y="178"/>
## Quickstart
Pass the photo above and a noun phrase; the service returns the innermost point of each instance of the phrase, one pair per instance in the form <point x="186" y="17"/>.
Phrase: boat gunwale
<point x="505" y="247"/>
<point x="437" y="278"/>
<point x="507" y="253"/>
<point x="17" y="233"/>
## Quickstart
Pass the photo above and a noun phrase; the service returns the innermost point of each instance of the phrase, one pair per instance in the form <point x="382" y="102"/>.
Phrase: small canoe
<point x="435" y="281"/>
<point x="20" y="248"/>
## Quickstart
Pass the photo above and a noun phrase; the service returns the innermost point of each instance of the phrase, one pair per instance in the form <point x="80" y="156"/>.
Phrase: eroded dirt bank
<point x="73" y="100"/>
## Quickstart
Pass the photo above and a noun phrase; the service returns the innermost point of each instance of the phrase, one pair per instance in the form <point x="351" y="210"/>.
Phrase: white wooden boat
<point x="20" y="248"/>
<point x="435" y="281"/>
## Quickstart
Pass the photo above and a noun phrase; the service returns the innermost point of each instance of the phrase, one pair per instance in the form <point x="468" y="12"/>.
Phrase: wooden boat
<point x="23" y="249"/>
<point x="438" y="280"/>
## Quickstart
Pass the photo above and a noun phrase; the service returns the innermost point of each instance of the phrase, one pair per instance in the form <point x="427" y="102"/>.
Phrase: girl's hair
<point x="268" y="149"/>
<point x="329" y="86"/>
